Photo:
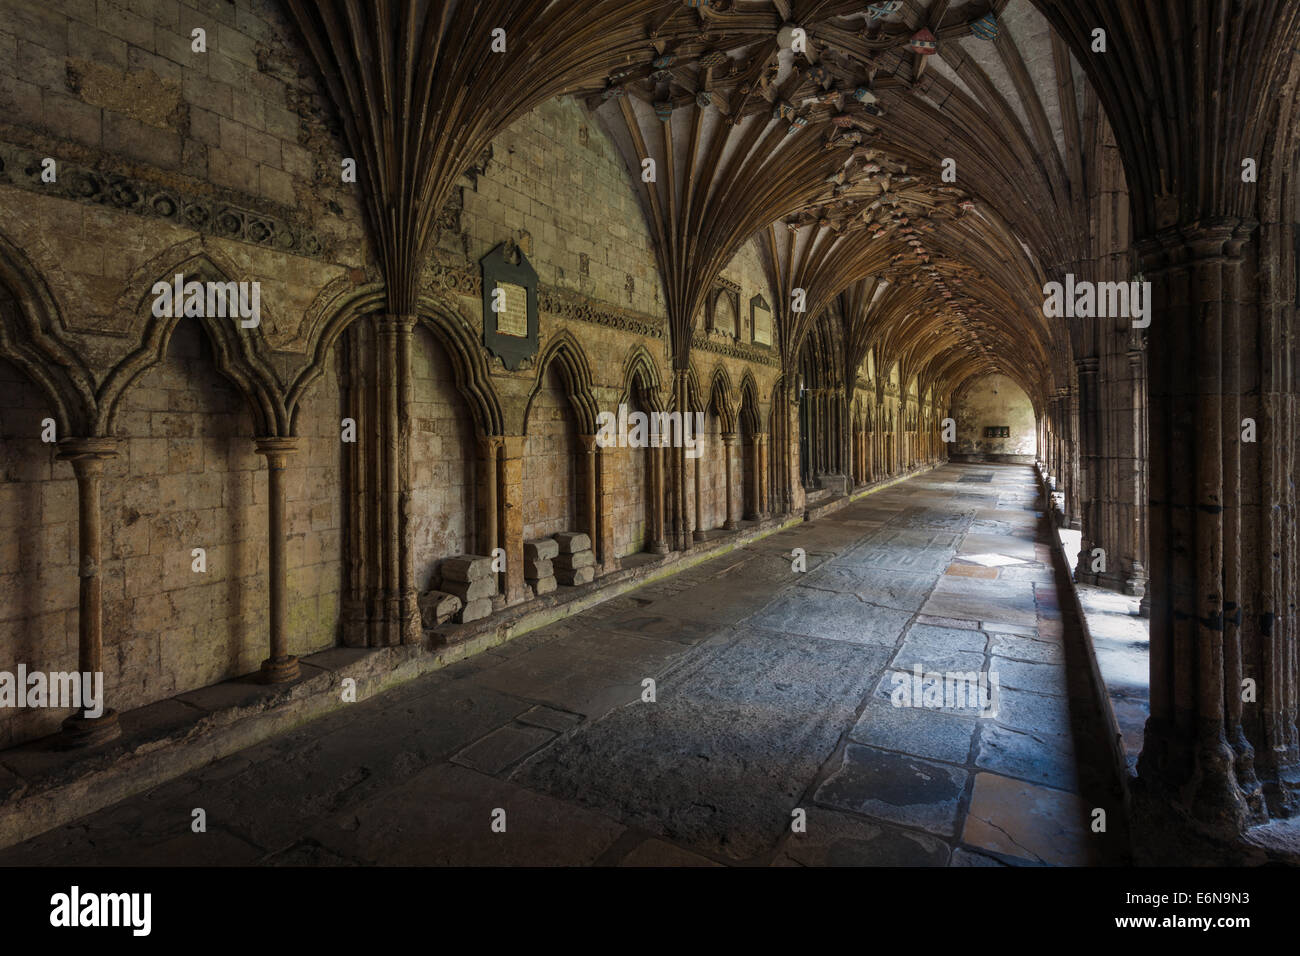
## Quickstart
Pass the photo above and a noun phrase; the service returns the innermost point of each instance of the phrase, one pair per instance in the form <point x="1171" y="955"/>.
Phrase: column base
<point x="729" y="525"/>
<point x="280" y="670"/>
<point x="79" y="731"/>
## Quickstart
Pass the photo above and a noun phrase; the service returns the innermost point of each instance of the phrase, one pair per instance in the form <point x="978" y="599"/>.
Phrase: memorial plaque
<point x="760" y="320"/>
<point x="512" y="310"/>
<point x="509" y="305"/>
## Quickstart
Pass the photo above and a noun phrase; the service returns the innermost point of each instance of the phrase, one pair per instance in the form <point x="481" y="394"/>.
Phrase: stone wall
<point x="550" y="463"/>
<point x="994" y="400"/>
<point x="442" y="461"/>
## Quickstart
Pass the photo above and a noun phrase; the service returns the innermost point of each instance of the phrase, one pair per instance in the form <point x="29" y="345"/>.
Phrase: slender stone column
<point x="511" y="495"/>
<point x="763" y="504"/>
<point x="281" y="666"/>
<point x="657" y="543"/>
<point x="489" y="454"/>
<point x="87" y="456"/>
<point x="729" y="445"/>
<point x="591" y="492"/>
<point x="605" y="464"/>
<point x="698" y="534"/>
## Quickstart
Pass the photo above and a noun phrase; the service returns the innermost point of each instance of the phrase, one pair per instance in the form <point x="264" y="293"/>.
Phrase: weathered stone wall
<point x="38" y="552"/>
<point x="442" y="461"/>
<point x="550" y="465"/>
<point x="995" y="400"/>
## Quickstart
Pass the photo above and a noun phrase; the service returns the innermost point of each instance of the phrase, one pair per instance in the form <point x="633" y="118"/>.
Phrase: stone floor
<point x="772" y="737"/>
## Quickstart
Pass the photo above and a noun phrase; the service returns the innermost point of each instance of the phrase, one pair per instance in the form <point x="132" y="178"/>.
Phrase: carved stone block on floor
<point x="571" y="542"/>
<point x="575" y="576"/>
<point x="438" y="607"/>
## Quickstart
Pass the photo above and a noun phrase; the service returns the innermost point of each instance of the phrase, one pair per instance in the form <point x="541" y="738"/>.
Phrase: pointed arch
<point x="722" y="395"/>
<point x="641" y="380"/>
<point x="575" y="372"/>
<point x="29" y="325"/>
<point x="344" y="304"/>
<point x="750" y="413"/>
<point x="240" y="354"/>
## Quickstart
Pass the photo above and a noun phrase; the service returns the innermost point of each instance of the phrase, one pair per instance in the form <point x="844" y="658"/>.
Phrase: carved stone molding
<point x="206" y="215"/>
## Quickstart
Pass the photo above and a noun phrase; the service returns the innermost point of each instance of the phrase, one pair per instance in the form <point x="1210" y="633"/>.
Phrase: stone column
<point x="281" y="666"/>
<point x="401" y="610"/>
<point x="591" y="492"/>
<point x="698" y="534"/>
<point x="605" y="464"/>
<point x="764" y="502"/>
<point x="1089" y="448"/>
<point x="489" y="448"/>
<point x="729" y="445"/>
<point x="658" y="544"/>
<point x="1210" y="557"/>
<point x="87" y="456"/>
<point x="511" y="494"/>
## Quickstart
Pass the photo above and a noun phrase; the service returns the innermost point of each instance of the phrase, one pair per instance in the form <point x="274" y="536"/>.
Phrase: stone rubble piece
<point x="571" y="562"/>
<point x="476" y="610"/>
<point x="467" y="591"/>
<point x="571" y="542"/>
<point x="543" y="549"/>
<point x="438" y="607"/>
<point x="466" y="567"/>
<point x="576" y="576"/>
<point x="536" y="568"/>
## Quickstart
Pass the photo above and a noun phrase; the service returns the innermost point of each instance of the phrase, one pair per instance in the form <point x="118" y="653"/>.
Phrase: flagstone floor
<point x="773" y="736"/>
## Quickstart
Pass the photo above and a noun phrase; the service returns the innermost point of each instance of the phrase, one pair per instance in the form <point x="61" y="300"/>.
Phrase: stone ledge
<point x="1114" y="738"/>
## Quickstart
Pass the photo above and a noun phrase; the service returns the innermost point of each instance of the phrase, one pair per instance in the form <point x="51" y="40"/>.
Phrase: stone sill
<point x="1064" y="566"/>
<point x="43" y="787"/>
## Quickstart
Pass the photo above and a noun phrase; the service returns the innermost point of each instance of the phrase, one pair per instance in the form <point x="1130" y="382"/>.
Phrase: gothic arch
<point x="239" y="354"/>
<point x="749" y="413"/>
<point x="29" y="339"/>
<point x="721" y="395"/>
<point x="575" y="371"/>
<point x="641" y="379"/>
<point x="468" y="362"/>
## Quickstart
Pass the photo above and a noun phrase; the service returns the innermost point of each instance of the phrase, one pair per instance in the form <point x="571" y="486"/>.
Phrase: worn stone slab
<point x="1025" y="820"/>
<point x="898" y="788"/>
<point x="544" y="585"/>
<point x="1041" y="678"/>
<point x="1024" y="710"/>
<point x="922" y="648"/>
<point x="502" y="748"/>
<point x="902" y="590"/>
<point x="1044" y="758"/>
<point x="838" y="839"/>
<point x="443" y="817"/>
<point x="656" y="853"/>
<point x="542" y="549"/>
<point x="570" y="542"/>
<point x="915" y="730"/>
<point x="550" y="718"/>
<point x="738" y="732"/>
<point x="1022" y="648"/>
<point x="832" y="616"/>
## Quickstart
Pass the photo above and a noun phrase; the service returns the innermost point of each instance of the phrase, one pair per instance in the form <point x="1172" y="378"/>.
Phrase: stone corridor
<point x="772" y="693"/>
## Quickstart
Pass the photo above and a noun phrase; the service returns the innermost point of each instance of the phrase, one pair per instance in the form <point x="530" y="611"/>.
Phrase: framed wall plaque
<point x="760" y="315"/>
<point x="509" y="305"/>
